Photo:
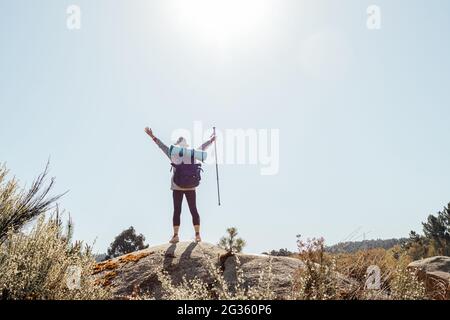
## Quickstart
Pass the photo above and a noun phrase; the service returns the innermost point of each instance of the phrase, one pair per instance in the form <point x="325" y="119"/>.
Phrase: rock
<point x="435" y="272"/>
<point x="137" y="272"/>
<point x="254" y="266"/>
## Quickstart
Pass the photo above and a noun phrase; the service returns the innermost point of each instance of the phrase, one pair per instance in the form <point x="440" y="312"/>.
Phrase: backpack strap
<point x="192" y="157"/>
<point x="170" y="151"/>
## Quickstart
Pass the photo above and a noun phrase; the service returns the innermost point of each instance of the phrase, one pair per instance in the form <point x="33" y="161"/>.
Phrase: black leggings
<point x="178" y="199"/>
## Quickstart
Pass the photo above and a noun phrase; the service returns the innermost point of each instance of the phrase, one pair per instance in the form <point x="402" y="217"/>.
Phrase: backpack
<point x="186" y="175"/>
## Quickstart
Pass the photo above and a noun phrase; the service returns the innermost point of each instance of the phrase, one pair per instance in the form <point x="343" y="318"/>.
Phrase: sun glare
<point x="221" y="21"/>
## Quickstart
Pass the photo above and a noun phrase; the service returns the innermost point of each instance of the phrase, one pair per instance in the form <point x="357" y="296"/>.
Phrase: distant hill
<point x="353" y="246"/>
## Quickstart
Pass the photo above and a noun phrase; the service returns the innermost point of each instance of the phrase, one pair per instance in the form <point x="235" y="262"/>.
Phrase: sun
<point x="221" y="21"/>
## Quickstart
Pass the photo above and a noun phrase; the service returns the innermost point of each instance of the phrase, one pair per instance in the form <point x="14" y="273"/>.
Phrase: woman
<point x="178" y="192"/>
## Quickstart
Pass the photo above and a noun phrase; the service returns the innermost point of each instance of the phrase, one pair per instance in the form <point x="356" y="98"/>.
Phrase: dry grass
<point x="42" y="263"/>
<point x="318" y="280"/>
<point x="35" y="266"/>
<point x="396" y="281"/>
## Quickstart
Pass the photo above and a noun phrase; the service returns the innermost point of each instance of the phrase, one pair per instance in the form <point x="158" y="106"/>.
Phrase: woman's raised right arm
<point x="158" y="142"/>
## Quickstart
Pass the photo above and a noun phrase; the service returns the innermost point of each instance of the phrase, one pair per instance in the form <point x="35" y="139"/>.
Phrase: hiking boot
<point x="197" y="237"/>
<point x="175" y="239"/>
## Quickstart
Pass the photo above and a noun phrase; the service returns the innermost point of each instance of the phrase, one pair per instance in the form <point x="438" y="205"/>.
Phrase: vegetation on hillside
<point x="283" y="252"/>
<point x="435" y="239"/>
<point x="323" y="277"/>
<point x="43" y="263"/>
<point x="39" y="259"/>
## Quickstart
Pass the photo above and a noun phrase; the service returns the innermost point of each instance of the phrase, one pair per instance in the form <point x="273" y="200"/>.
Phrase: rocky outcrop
<point x="138" y="271"/>
<point x="435" y="272"/>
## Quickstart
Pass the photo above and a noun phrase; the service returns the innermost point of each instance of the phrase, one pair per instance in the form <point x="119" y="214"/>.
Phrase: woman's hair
<point x="181" y="142"/>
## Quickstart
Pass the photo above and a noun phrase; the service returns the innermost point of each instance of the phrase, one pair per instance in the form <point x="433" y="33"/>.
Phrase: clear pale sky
<point x="363" y="114"/>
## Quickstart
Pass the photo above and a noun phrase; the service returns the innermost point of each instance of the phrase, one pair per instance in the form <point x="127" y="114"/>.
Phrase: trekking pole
<point x="217" y="166"/>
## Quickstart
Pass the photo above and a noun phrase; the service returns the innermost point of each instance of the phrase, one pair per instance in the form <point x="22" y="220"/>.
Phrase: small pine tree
<point x="127" y="241"/>
<point x="231" y="243"/>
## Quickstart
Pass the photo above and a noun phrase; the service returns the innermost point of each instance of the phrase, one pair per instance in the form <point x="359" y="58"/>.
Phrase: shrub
<point x="38" y="266"/>
<point x="406" y="286"/>
<point x="17" y="207"/>
<point x="43" y="263"/>
<point x="317" y="280"/>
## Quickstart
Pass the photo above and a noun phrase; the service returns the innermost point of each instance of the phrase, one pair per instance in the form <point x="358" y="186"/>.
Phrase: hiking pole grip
<point x="217" y="166"/>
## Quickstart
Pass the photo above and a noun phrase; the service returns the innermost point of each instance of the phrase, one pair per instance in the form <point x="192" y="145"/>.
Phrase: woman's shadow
<point x="169" y="255"/>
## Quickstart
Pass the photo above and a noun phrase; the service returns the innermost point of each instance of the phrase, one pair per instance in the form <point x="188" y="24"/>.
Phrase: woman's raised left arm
<point x="205" y="145"/>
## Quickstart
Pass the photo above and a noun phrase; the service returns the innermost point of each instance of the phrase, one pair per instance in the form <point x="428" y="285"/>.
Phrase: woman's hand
<point x="149" y="132"/>
<point x="212" y="138"/>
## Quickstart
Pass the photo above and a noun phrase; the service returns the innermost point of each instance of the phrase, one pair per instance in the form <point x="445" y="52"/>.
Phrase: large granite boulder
<point x="435" y="272"/>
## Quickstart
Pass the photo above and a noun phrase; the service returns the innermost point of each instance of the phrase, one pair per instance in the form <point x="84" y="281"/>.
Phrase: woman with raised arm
<point x="178" y="191"/>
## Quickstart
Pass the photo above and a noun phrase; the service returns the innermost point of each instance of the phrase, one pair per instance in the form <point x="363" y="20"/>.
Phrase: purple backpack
<point x="186" y="175"/>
